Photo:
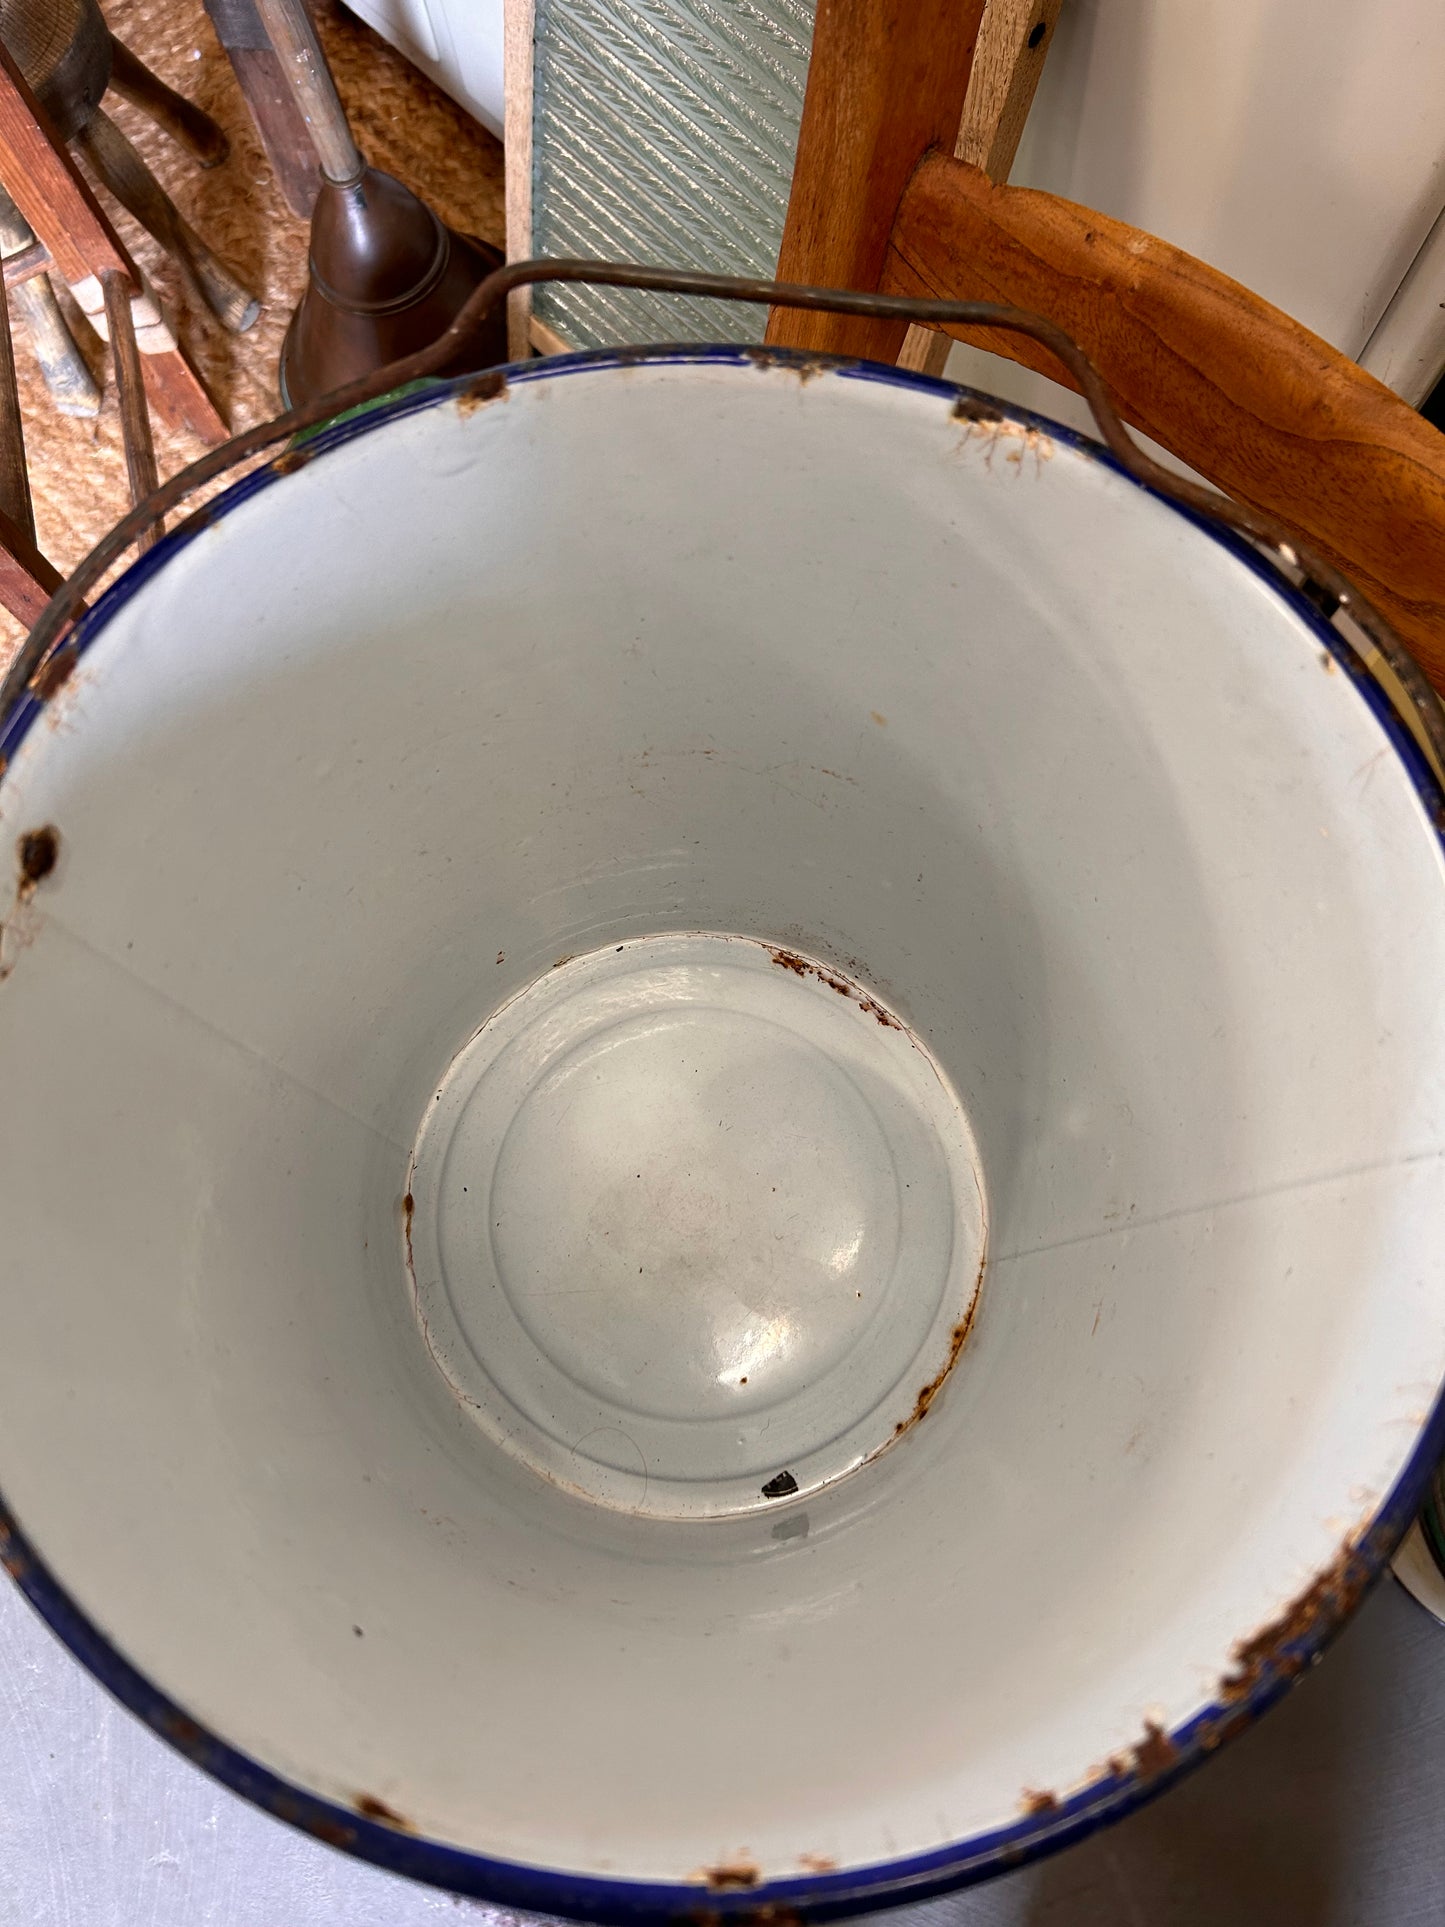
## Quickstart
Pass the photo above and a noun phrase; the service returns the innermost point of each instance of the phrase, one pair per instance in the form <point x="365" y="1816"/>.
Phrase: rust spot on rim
<point x="374" y="1809"/>
<point x="769" y="1914"/>
<point x="288" y="462"/>
<point x="973" y="408"/>
<point x="765" y="357"/>
<point x="817" y="1862"/>
<point x="732" y="1874"/>
<point x="1035" y="1803"/>
<point x="1155" y="1753"/>
<point x="55" y="672"/>
<point x="37" y="852"/>
<point x="320" y="1826"/>
<point x="489" y="387"/>
<point x="1219" y="1731"/>
<point x="1277" y="1649"/>
<point x="183" y="1732"/>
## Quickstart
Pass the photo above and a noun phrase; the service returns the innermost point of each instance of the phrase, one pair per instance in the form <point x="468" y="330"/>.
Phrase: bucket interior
<point x="629" y="664"/>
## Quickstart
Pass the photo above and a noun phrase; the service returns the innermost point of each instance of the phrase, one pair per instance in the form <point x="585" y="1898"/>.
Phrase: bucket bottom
<point x="695" y="1224"/>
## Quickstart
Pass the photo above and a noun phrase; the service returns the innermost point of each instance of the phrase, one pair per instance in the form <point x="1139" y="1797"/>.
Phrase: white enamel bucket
<point x="721" y="1162"/>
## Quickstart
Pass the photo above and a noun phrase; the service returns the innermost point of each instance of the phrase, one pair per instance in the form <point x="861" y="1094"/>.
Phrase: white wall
<point x="457" y="42"/>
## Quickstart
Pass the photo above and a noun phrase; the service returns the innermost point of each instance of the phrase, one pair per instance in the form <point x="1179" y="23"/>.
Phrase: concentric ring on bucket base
<point x="695" y="1224"/>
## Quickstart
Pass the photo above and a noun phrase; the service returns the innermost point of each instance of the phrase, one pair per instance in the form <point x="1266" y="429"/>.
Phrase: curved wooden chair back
<point x="1257" y="404"/>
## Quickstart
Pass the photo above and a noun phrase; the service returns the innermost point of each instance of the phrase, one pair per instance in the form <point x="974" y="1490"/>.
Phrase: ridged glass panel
<point x="664" y="131"/>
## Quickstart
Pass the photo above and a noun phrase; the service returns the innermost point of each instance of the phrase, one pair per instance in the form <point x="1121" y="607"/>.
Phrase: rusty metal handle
<point x="1320" y="579"/>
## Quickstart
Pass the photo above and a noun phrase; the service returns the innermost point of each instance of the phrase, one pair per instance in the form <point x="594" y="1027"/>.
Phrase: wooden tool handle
<point x="1254" y="401"/>
<point x="14" y="477"/>
<point x="67" y="374"/>
<point x="135" y="421"/>
<point x="291" y="32"/>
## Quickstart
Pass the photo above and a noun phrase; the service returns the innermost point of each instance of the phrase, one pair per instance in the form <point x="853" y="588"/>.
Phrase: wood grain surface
<point x="292" y="33"/>
<point x="15" y="502"/>
<point x="27" y="579"/>
<point x="518" y="29"/>
<point x="47" y="187"/>
<point x="140" y="454"/>
<point x="1262" y="407"/>
<point x="1008" y="61"/>
<point x="1014" y="38"/>
<point x="886" y="82"/>
<point x="181" y="118"/>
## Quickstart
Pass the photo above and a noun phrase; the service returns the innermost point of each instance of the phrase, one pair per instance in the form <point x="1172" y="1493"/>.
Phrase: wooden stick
<point x="67" y="374"/>
<point x="180" y="118"/>
<point x="26" y="262"/>
<point x="277" y="118"/>
<point x="1255" y="402"/>
<point x="47" y="187"/>
<point x="1008" y="61"/>
<point x="178" y="395"/>
<point x="135" y="421"/>
<point x="122" y="170"/>
<point x="545" y="340"/>
<point x="15" y="503"/>
<point x="284" y="134"/>
<point x="886" y="82"/>
<point x="289" y="29"/>
<point x="27" y="580"/>
<point x="518" y="30"/>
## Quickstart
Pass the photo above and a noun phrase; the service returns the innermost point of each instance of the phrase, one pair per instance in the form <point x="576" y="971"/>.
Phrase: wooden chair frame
<point x="75" y="238"/>
<point x="1248" y="397"/>
<point x="911" y="118"/>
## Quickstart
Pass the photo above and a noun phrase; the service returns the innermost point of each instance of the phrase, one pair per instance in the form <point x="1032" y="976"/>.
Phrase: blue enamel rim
<point x="1302" y="1634"/>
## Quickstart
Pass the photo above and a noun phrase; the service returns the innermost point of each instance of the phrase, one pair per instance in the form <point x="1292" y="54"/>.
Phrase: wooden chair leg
<point x="186" y="123"/>
<point x="886" y="82"/>
<point x="67" y="374"/>
<point x="27" y="580"/>
<point x="46" y="185"/>
<point x="64" y="369"/>
<point x="121" y="169"/>
<point x="135" y="421"/>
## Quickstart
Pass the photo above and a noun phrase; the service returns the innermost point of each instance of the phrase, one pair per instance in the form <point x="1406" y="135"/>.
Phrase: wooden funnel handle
<point x="289" y="28"/>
